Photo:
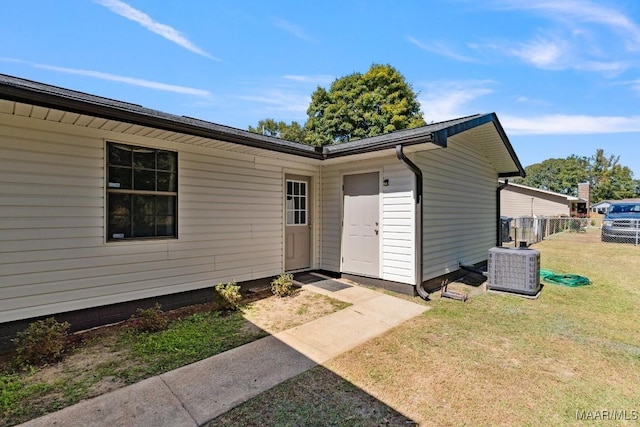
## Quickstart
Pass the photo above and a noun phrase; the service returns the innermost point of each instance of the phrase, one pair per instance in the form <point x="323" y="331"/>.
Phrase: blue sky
<point x="562" y="75"/>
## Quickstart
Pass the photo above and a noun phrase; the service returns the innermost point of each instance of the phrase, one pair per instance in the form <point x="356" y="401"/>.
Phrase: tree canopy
<point x="356" y="106"/>
<point x="607" y="178"/>
<point x="270" y="127"/>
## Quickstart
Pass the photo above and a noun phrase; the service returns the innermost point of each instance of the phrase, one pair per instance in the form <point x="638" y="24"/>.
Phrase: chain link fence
<point x="535" y="229"/>
<point x="621" y="231"/>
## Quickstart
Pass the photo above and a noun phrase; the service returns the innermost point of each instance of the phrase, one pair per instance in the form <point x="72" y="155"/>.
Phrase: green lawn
<point x="493" y="360"/>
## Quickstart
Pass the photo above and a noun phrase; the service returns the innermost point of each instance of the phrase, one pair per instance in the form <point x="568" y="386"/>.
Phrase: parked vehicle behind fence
<point x="622" y="223"/>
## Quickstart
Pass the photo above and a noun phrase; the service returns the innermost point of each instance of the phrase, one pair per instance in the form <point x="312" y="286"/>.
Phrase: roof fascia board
<point x="442" y="135"/>
<point x="23" y="91"/>
<point x="161" y="121"/>
<point x="541" y="191"/>
<point x="508" y="146"/>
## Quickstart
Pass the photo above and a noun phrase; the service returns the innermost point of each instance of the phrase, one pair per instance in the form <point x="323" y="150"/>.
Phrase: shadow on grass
<point x="317" y="397"/>
<point x="226" y="363"/>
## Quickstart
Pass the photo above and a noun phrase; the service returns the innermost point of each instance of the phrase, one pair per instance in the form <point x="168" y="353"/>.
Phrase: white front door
<point x="361" y="224"/>
<point x="297" y="223"/>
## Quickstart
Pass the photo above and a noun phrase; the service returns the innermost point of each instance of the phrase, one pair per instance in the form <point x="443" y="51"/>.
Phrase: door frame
<point x="311" y="215"/>
<point x="380" y="171"/>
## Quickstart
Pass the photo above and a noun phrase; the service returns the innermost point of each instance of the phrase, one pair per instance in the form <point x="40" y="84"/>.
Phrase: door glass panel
<point x="296" y="203"/>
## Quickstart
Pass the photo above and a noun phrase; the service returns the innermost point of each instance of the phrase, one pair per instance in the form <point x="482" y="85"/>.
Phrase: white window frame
<point x="304" y="197"/>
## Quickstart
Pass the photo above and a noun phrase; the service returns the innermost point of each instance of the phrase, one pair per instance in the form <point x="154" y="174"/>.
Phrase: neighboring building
<point x="603" y="206"/>
<point x="107" y="206"/>
<point x="520" y="200"/>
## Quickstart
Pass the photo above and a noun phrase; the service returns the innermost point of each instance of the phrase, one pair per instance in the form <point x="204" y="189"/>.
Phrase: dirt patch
<point x="278" y="314"/>
<point x="97" y="358"/>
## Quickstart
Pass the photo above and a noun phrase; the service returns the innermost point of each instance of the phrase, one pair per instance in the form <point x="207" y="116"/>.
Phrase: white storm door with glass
<point x="297" y="223"/>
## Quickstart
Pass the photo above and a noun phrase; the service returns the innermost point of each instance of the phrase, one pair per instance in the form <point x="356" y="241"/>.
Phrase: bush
<point x="150" y="320"/>
<point x="282" y="285"/>
<point x="227" y="296"/>
<point x="43" y="341"/>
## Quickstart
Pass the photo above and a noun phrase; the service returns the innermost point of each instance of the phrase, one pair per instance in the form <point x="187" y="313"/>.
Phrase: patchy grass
<point x="493" y="360"/>
<point x="110" y="358"/>
<point x="314" y="398"/>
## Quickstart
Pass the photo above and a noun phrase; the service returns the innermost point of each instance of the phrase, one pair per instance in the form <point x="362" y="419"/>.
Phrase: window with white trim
<point x="142" y="192"/>
<point x="296" y="208"/>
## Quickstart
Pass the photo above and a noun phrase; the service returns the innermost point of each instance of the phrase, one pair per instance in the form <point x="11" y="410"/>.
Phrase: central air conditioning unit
<point x="514" y="270"/>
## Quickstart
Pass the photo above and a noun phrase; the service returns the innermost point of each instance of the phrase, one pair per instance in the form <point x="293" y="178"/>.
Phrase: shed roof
<point x="542" y="192"/>
<point x="16" y="92"/>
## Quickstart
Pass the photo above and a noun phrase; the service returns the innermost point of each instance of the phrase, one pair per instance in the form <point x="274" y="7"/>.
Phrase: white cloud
<point x="115" y="78"/>
<point x="566" y="124"/>
<point x="123" y="9"/>
<point x="588" y="37"/>
<point x="444" y="100"/>
<point x="440" y="48"/>
<point x="635" y="86"/>
<point x="532" y="101"/>
<point x="585" y="12"/>
<point x="292" y="29"/>
<point x="542" y="53"/>
<point x="280" y="101"/>
<point x="319" y="79"/>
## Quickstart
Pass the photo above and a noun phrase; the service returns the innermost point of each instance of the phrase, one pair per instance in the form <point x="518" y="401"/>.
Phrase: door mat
<point x="307" y="278"/>
<point x="331" y="285"/>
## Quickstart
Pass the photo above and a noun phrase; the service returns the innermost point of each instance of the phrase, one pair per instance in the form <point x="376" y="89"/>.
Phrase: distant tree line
<point x="608" y="179"/>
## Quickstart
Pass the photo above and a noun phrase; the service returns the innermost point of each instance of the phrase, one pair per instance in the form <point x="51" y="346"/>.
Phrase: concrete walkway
<point x="197" y="393"/>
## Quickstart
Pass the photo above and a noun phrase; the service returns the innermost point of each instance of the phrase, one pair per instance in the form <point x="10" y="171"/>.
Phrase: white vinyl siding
<point x="516" y="202"/>
<point x="53" y="253"/>
<point x="397" y="215"/>
<point x="459" y="207"/>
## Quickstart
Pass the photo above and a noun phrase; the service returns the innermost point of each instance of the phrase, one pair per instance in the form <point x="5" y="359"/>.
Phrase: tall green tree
<point x="291" y="132"/>
<point x="355" y="106"/>
<point x="362" y="105"/>
<point x="558" y="175"/>
<point x="608" y="179"/>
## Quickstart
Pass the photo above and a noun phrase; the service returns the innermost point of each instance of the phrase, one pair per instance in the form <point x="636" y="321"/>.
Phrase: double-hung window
<point x="142" y="192"/>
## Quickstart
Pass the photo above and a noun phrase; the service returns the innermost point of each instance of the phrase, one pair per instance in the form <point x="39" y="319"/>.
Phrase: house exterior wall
<point x="516" y="202"/>
<point x="459" y="206"/>
<point x="53" y="253"/>
<point x="397" y="215"/>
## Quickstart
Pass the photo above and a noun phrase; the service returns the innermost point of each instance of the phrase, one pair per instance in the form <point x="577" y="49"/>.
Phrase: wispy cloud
<point x="566" y="124"/>
<point x="319" y="79"/>
<point x="584" y="12"/>
<point x="292" y="29"/>
<point x="123" y="9"/>
<point x="116" y="78"/>
<point x="542" y="53"/>
<point x="440" y="48"/>
<point x="283" y="98"/>
<point x="531" y="101"/>
<point x="449" y="99"/>
<point x="635" y="86"/>
<point x="280" y="101"/>
<point x="587" y="37"/>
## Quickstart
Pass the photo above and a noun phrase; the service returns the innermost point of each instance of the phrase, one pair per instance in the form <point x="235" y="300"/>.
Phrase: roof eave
<point x="373" y="145"/>
<point x="162" y="121"/>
